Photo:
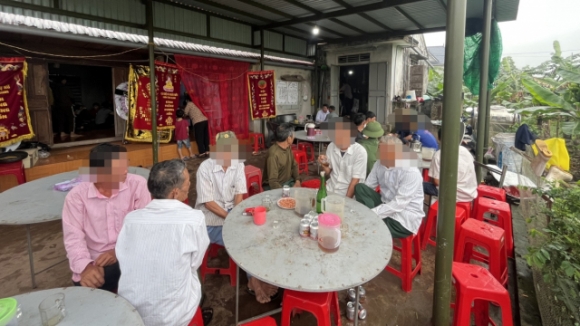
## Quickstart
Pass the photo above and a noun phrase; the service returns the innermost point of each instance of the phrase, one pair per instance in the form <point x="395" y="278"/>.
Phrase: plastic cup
<point x="52" y="309"/>
<point x="259" y="215"/>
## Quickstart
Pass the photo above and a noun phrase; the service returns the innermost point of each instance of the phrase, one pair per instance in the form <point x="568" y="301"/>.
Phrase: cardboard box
<point x="32" y="157"/>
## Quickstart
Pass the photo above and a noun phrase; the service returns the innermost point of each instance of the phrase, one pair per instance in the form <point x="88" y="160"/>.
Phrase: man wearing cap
<point x="373" y="131"/>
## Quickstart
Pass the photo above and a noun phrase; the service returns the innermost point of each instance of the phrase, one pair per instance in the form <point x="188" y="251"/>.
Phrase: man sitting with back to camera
<point x="281" y="167"/>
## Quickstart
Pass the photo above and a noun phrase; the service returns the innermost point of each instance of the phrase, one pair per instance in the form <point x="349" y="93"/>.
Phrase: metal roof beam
<point x="404" y="13"/>
<point x="379" y="35"/>
<point x="339" y="13"/>
<point x="364" y="15"/>
<point x="316" y="12"/>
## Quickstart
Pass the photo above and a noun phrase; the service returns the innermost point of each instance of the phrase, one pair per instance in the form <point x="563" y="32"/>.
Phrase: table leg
<point x="356" y="306"/>
<point x="237" y="293"/>
<point x="30" y="256"/>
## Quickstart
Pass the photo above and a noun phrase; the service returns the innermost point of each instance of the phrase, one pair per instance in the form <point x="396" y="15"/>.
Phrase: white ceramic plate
<point x="278" y="203"/>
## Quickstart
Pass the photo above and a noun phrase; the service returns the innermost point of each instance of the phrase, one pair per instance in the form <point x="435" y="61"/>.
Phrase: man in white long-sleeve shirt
<point x="400" y="203"/>
<point x="160" y="248"/>
<point x="322" y="113"/>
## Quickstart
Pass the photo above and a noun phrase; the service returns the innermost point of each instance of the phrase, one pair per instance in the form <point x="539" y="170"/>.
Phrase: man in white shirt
<point x="221" y="185"/>
<point x="322" y="113"/>
<point x="160" y="248"/>
<point x="466" y="178"/>
<point x="400" y="203"/>
<point x="347" y="160"/>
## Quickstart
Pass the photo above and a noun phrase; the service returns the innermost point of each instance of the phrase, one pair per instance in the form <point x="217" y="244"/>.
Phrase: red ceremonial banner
<point x="262" y="94"/>
<point x="167" y="91"/>
<point x="14" y="118"/>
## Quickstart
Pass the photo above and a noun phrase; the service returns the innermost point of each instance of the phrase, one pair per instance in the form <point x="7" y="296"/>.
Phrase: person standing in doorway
<point x="63" y="102"/>
<point x="346" y="91"/>
<point x="200" y="125"/>
<point x="182" y="134"/>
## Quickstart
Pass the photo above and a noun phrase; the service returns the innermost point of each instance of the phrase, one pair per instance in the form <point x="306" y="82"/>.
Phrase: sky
<point x="529" y="39"/>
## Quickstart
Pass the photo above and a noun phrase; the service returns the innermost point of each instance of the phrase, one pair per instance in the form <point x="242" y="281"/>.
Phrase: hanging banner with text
<point x="14" y="118"/>
<point x="262" y="94"/>
<point x="167" y="90"/>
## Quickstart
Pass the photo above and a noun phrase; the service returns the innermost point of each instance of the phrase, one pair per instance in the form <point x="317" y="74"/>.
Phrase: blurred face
<point x="114" y="172"/>
<point x="182" y="192"/>
<point x="397" y="155"/>
<point x="341" y="135"/>
<point x="226" y="152"/>
<point x="371" y="119"/>
<point x="409" y="120"/>
<point x="324" y="109"/>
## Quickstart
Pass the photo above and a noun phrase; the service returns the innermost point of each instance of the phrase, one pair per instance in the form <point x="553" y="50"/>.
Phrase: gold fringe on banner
<point x="138" y="135"/>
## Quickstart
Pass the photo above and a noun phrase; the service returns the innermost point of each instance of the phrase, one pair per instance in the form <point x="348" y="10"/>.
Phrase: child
<point x="182" y="134"/>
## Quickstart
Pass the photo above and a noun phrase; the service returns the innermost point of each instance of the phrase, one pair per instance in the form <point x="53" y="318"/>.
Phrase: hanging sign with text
<point x="262" y="94"/>
<point x="167" y="91"/>
<point x="14" y="118"/>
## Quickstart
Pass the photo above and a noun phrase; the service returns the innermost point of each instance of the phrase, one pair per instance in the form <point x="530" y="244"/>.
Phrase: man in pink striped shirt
<point x="93" y="215"/>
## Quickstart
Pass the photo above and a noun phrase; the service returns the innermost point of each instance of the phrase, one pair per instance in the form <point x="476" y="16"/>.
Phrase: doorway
<point x="354" y="89"/>
<point x="83" y="104"/>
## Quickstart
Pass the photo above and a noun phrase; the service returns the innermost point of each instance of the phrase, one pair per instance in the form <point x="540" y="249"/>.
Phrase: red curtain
<point x="218" y="88"/>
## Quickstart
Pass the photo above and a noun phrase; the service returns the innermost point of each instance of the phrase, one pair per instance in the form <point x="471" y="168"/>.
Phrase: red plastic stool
<point x="501" y="216"/>
<point x="313" y="184"/>
<point x="16" y="169"/>
<point x="211" y="252"/>
<point x="300" y="157"/>
<point x="477" y="233"/>
<point x="475" y="288"/>
<point x="257" y="141"/>
<point x="253" y="180"/>
<point x="321" y="305"/>
<point x="430" y="226"/>
<point x="491" y="192"/>
<point x="407" y="272"/>
<point x="266" y="321"/>
<point x="197" y="318"/>
<point x="307" y="147"/>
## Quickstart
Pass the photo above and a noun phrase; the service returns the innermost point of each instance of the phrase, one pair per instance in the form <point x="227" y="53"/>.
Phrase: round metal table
<point x="37" y="202"/>
<point x="84" y="306"/>
<point x="280" y="256"/>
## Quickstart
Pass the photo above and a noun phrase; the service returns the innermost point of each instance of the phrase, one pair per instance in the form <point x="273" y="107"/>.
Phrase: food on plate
<point x="287" y="203"/>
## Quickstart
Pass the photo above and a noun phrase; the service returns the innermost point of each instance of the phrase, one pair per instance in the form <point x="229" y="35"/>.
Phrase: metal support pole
<point x="453" y="103"/>
<point x="30" y="257"/>
<point x="483" y="106"/>
<point x="153" y="95"/>
<point x="263" y="123"/>
<point x="487" y="122"/>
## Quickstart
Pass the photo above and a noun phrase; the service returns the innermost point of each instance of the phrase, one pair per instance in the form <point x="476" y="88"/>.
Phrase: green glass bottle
<point x="321" y="193"/>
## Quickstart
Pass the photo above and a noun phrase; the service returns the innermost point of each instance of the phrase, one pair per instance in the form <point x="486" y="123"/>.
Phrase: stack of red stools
<point x="301" y="160"/>
<point x="211" y="252"/>
<point x="253" y="180"/>
<point x="462" y="211"/>
<point x="308" y="148"/>
<point x="475" y="289"/>
<point x="321" y="305"/>
<point x="258" y="141"/>
<point x="491" y="192"/>
<point x="410" y="249"/>
<point x="497" y="213"/>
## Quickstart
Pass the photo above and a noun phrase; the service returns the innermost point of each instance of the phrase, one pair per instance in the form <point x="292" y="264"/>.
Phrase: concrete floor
<point x="386" y="303"/>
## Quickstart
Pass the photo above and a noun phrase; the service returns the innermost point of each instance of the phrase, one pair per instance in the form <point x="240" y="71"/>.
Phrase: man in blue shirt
<point x="427" y="138"/>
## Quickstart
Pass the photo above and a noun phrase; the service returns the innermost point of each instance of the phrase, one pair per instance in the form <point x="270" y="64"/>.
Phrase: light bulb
<point x="315" y="30"/>
<point x="350" y="72"/>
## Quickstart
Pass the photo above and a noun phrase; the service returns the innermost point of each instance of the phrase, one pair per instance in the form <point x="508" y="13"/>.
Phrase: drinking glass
<point x="52" y="310"/>
<point x="267" y="203"/>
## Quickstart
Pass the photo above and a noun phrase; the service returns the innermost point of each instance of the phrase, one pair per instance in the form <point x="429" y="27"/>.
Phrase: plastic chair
<point x="410" y="249"/>
<point x="491" y="238"/>
<point x="426" y="177"/>
<point x="253" y="180"/>
<point x="475" y="288"/>
<point x="312" y="184"/>
<point x="321" y="305"/>
<point x="16" y="169"/>
<point x="300" y="157"/>
<point x="211" y="252"/>
<point x="430" y="227"/>
<point x="491" y="192"/>
<point x="266" y="321"/>
<point x="197" y="318"/>
<point x="308" y="148"/>
<point x="496" y="213"/>
<point x="258" y="141"/>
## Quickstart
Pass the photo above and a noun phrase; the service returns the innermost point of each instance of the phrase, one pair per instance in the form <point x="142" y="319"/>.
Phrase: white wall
<point x="305" y="107"/>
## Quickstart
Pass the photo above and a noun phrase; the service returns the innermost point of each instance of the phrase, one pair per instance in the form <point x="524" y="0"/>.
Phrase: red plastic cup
<point x="259" y="215"/>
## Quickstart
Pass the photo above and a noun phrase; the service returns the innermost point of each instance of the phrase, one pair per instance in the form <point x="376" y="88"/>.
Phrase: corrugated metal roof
<point x="428" y="13"/>
<point x="68" y="28"/>
<point x="392" y="18"/>
<point x="286" y="7"/>
<point x="362" y="23"/>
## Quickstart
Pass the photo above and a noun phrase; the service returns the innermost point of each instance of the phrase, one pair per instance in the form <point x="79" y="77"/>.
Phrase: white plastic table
<point x="37" y="202"/>
<point x="84" y="306"/>
<point x="280" y="256"/>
